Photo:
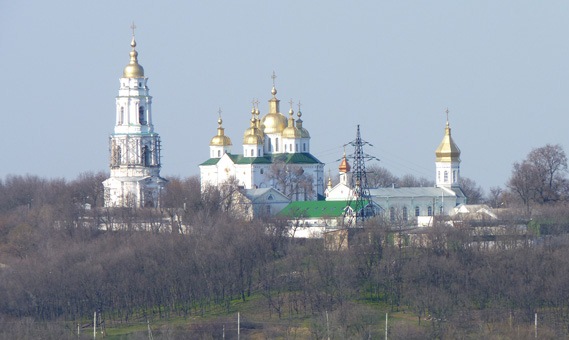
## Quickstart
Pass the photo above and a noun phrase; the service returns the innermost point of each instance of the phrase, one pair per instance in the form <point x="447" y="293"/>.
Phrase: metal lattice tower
<point x="360" y="199"/>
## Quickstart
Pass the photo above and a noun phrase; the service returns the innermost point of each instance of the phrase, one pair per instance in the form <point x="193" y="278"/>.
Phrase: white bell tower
<point x="447" y="161"/>
<point x="134" y="146"/>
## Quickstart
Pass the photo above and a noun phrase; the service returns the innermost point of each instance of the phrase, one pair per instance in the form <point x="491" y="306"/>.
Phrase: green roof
<point x="288" y="158"/>
<point x="314" y="209"/>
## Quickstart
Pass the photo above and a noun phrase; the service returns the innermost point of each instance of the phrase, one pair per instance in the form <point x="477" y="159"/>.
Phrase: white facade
<point x="271" y="143"/>
<point x="414" y="204"/>
<point x="134" y="146"/>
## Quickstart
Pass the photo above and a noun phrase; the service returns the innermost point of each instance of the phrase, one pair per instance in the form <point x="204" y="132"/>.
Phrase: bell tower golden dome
<point x="133" y="69"/>
<point x="447" y="161"/>
<point x="447" y="151"/>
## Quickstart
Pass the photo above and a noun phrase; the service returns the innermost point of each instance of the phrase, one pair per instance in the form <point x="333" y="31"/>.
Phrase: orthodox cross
<point x="274" y="76"/>
<point x="133" y="27"/>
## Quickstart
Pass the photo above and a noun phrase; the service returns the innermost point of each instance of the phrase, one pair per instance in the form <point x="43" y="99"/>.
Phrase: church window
<point x="286" y="145"/>
<point x="429" y="211"/>
<point x="439" y="176"/>
<point x="304" y="147"/>
<point x="454" y="176"/>
<point x="259" y="153"/>
<point x="276" y="144"/>
<point x="441" y="210"/>
<point x="121" y="116"/>
<point x="446" y="176"/>
<point x="141" y="118"/>
<point x="261" y="171"/>
<point x="392" y="214"/>
<point x="405" y="217"/>
<point x="270" y="198"/>
<point x="218" y="153"/>
<point x="296" y="149"/>
<point x="139" y="84"/>
<point x="417" y="211"/>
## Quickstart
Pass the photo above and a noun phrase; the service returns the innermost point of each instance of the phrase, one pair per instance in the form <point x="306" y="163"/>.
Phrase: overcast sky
<point x="501" y="67"/>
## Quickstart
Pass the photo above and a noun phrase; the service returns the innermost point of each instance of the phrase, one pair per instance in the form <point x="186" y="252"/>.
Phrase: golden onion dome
<point x="274" y="121"/>
<point x="133" y="69"/>
<point x="344" y="165"/>
<point x="291" y="131"/>
<point x="220" y="139"/>
<point x="252" y="135"/>
<point x="303" y="132"/>
<point x="447" y="151"/>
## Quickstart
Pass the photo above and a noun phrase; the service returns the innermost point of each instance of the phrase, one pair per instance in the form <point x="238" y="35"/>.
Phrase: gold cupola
<point x="344" y="165"/>
<point x="303" y="132"/>
<point x="133" y="69"/>
<point x="447" y="151"/>
<point x="220" y="139"/>
<point x="291" y="131"/>
<point x="253" y="136"/>
<point x="274" y="121"/>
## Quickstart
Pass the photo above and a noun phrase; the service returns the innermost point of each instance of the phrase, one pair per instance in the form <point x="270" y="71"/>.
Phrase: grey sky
<point x="501" y="67"/>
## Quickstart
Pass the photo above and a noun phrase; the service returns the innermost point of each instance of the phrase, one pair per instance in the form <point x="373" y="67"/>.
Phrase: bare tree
<point x="292" y="181"/>
<point x="540" y="178"/>
<point x="473" y="192"/>
<point x="412" y="181"/>
<point x="380" y="177"/>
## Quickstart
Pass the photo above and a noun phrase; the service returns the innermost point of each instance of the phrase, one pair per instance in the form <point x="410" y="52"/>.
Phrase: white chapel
<point x="412" y="204"/>
<point x="134" y="146"/>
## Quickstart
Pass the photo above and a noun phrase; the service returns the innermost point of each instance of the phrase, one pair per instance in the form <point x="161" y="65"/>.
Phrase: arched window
<point x="405" y="217"/>
<point x="304" y="147"/>
<point x="218" y="153"/>
<point x="417" y="211"/>
<point x="430" y="211"/>
<point x="121" y="115"/>
<point x="454" y="176"/>
<point x="141" y="116"/>
<point x="392" y="214"/>
<point x="446" y="176"/>
<point x="277" y="144"/>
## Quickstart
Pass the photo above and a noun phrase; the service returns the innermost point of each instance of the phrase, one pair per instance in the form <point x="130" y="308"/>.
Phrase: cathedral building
<point x="134" y="146"/>
<point x="275" y="154"/>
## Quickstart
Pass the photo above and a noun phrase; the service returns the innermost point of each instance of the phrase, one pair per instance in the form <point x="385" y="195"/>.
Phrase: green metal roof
<point x="314" y="209"/>
<point x="288" y="158"/>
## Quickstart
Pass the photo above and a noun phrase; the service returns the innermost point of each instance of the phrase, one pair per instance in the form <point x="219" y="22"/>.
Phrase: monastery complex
<point x="273" y="166"/>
